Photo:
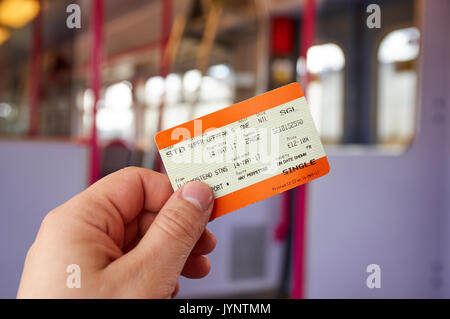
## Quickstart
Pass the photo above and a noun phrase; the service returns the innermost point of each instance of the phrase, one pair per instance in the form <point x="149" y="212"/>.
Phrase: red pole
<point x="166" y="21"/>
<point x="96" y="79"/>
<point x="299" y="232"/>
<point x="35" y="76"/>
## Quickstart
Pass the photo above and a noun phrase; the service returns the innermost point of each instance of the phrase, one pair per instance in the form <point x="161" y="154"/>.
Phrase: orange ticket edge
<point x="231" y="114"/>
<point x="264" y="189"/>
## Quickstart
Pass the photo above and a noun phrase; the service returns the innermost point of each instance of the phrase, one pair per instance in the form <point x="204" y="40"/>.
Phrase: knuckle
<point x="130" y="170"/>
<point x="30" y="251"/>
<point x="48" y="221"/>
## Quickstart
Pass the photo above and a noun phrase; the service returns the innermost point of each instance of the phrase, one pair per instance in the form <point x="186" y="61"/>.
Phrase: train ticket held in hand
<point x="248" y="151"/>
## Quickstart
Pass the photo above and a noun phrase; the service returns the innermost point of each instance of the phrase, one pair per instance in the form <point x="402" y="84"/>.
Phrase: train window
<point x="325" y="92"/>
<point x="5" y="110"/>
<point x="217" y="90"/>
<point x="188" y="96"/>
<point x="154" y="90"/>
<point x="85" y="101"/>
<point x="115" y="114"/>
<point x="397" y="80"/>
<point x="175" y="111"/>
<point x="173" y="89"/>
<point x="191" y="81"/>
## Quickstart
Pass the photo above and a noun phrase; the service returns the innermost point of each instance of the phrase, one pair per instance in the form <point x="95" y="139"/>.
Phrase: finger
<point x="176" y="291"/>
<point x="205" y="244"/>
<point x="145" y="220"/>
<point x="180" y="223"/>
<point x="131" y="231"/>
<point x="131" y="190"/>
<point x="153" y="267"/>
<point x="135" y="230"/>
<point x="118" y="198"/>
<point x="196" y="266"/>
<point x="130" y="246"/>
<point x="162" y="252"/>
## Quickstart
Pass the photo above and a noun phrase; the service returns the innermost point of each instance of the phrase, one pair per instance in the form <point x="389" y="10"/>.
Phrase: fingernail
<point x="198" y="194"/>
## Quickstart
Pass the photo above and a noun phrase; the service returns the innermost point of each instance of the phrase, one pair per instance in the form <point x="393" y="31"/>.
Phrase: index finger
<point x="128" y="192"/>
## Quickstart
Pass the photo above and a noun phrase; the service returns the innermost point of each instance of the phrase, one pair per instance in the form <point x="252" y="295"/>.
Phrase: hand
<point x="130" y="235"/>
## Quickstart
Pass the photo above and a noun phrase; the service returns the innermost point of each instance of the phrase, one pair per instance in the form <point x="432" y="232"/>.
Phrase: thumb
<point x="181" y="221"/>
<point x="176" y="229"/>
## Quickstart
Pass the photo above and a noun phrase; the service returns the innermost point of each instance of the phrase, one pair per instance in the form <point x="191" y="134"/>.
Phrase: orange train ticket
<point x="248" y="151"/>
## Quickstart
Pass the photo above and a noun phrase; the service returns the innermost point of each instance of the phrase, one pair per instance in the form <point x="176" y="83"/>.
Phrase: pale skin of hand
<point x="129" y="233"/>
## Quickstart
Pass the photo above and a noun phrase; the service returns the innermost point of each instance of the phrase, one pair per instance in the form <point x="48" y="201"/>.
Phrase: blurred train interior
<point x="85" y="85"/>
